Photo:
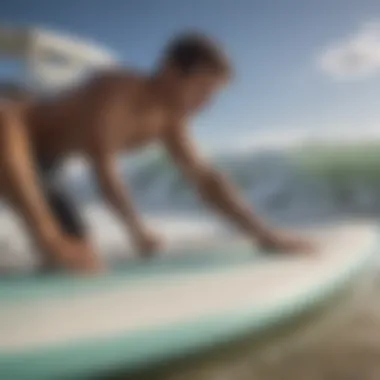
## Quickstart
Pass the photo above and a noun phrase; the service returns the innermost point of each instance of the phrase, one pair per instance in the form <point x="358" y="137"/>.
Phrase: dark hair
<point x="191" y="51"/>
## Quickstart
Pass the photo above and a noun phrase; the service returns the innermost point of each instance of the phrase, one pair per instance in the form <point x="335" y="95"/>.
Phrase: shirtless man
<point x="114" y="112"/>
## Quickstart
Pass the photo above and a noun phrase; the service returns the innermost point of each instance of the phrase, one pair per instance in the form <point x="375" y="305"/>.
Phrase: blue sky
<point x="302" y="65"/>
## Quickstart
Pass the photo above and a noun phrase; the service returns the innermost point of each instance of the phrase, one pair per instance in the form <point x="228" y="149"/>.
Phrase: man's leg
<point x="66" y="213"/>
<point x="63" y="208"/>
<point x="72" y="224"/>
<point x="60" y="203"/>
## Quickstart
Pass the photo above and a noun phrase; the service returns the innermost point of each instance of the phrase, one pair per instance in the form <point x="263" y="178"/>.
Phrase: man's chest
<point x="135" y="126"/>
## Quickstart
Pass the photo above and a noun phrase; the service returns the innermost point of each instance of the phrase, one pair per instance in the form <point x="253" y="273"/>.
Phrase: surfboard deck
<point x="184" y="301"/>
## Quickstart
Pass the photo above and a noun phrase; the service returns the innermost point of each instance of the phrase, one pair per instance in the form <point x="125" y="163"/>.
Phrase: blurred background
<point x="298" y="130"/>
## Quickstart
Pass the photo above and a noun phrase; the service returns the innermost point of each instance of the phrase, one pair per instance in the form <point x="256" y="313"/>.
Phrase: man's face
<point x="197" y="90"/>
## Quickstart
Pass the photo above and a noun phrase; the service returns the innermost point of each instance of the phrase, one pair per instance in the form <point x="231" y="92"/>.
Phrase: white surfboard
<point x="187" y="300"/>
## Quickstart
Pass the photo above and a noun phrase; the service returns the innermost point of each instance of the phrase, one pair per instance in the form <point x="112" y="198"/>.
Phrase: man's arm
<point x="114" y="190"/>
<point x="102" y="145"/>
<point x="21" y="180"/>
<point x="219" y="193"/>
<point x="117" y="195"/>
<point x="212" y="186"/>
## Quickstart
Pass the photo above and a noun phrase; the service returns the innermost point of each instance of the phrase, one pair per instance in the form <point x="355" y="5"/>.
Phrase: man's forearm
<point x="222" y="196"/>
<point x="33" y="209"/>
<point x="211" y="185"/>
<point x="23" y="187"/>
<point x="117" y="196"/>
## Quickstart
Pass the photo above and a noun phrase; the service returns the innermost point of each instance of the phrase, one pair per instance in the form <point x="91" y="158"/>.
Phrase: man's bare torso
<point x="120" y="110"/>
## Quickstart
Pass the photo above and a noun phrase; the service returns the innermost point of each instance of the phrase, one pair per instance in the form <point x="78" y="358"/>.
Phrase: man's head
<point x="197" y="68"/>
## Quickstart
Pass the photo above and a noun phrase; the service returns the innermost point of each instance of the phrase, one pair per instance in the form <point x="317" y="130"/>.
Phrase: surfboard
<point x="184" y="301"/>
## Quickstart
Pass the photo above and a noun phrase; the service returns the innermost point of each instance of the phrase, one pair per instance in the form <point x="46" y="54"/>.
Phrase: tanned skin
<point x="115" y="112"/>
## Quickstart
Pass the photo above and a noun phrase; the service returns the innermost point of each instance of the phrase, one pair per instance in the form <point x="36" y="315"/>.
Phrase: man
<point x="114" y="112"/>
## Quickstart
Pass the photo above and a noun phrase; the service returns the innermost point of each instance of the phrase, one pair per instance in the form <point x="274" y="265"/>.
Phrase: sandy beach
<point x="343" y="343"/>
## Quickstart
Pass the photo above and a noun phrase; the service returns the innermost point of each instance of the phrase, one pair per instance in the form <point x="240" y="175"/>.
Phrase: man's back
<point x="122" y="105"/>
<point x="57" y="123"/>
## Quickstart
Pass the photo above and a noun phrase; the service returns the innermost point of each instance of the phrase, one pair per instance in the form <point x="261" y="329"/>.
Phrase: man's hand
<point x="281" y="241"/>
<point x="147" y="243"/>
<point x="75" y="255"/>
<point x="220" y="194"/>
